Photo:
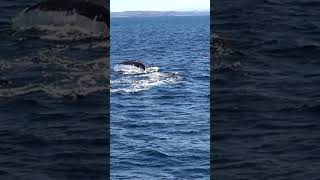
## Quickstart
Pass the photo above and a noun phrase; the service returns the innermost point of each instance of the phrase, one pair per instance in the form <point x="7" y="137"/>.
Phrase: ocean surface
<point x="266" y="89"/>
<point x="53" y="100"/>
<point x="160" y="117"/>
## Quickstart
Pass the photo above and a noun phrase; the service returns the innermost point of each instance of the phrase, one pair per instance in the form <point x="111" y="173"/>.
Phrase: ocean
<point x="159" y="118"/>
<point x="265" y="95"/>
<point x="53" y="99"/>
<point x="54" y="95"/>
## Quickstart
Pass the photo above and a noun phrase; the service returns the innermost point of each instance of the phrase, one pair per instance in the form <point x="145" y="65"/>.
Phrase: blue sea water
<point x="53" y="101"/>
<point x="266" y="100"/>
<point x="160" y="120"/>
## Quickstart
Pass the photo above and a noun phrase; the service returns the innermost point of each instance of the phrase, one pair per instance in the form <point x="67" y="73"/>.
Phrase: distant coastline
<point x="158" y="13"/>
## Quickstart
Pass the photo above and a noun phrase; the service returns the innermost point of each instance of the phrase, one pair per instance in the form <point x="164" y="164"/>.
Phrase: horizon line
<point x="162" y="11"/>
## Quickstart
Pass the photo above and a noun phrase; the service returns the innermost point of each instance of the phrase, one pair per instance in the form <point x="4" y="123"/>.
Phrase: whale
<point x="93" y="9"/>
<point x="91" y="16"/>
<point x="134" y="63"/>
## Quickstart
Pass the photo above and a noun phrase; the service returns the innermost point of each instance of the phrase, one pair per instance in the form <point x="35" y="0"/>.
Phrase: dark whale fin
<point x="93" y="9"/>
<point x="134" y="63"/>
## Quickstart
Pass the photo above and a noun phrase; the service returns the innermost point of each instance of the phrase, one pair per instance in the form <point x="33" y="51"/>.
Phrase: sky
<point x="159" y="5"/>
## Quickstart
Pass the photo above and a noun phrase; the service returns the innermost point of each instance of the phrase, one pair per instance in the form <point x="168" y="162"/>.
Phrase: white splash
<point x="128" y="69"/>
<point x="132" y="79"/>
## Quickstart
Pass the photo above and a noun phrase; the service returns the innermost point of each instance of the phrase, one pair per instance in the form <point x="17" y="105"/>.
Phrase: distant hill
<point x="158" y="13"/>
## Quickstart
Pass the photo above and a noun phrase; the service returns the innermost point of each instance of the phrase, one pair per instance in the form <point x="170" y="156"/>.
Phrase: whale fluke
<point x="94" y="9"/>
<point x="90" y="17"/>
<point x="134" y="63"/>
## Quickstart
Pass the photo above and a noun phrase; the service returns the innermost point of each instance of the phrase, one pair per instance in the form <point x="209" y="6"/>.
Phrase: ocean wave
<point x="153" y="153"/>
<point x="227" y="66"/>
<point x="298" y="50"/>
<point x="306" y="107"/>
<point x="53" y="74"/>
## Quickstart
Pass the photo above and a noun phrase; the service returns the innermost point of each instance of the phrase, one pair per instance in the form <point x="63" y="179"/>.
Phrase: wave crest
<point x="52" y="74"/>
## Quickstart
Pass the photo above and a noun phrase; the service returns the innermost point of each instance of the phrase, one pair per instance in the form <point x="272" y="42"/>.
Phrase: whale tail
<point x="134" y="63"/>
<point x="85" y="16"/>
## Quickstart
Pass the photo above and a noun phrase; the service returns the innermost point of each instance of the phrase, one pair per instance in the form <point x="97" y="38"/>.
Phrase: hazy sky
<point x="158" y="5"/>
